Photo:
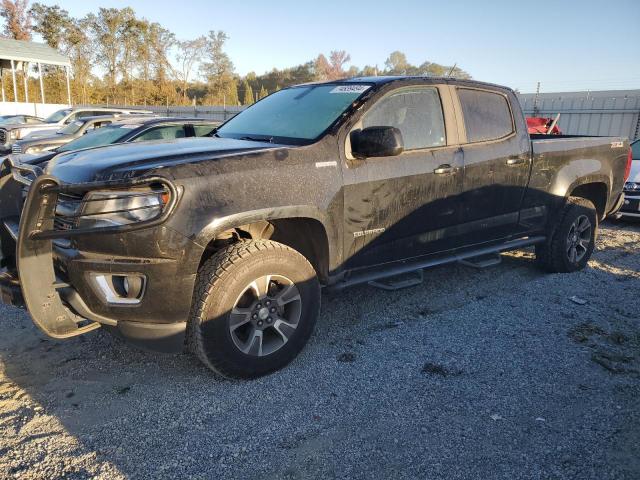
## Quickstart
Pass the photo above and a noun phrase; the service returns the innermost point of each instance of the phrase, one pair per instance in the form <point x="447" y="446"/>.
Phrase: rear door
<point x="497" y="163"/>
<point x="403" y="206"/>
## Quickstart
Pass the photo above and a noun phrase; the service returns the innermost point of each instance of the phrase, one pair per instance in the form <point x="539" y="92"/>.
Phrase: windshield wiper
<point x="257" y="139"/>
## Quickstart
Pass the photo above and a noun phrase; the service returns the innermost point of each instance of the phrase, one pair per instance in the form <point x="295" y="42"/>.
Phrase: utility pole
<point x="536" y="111"/>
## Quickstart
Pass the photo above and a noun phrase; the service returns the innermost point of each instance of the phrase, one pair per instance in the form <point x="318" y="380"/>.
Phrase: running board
<point x="395" y="283"/>
<point x="398" y="268"/>
<point x="483" y="261"/>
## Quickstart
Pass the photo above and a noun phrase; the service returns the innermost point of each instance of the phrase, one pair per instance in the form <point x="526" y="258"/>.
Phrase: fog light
<point x="126" y="289"/>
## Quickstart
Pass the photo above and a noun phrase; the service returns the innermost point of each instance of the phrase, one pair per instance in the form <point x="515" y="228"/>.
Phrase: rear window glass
<point x="486" y="115"/>
<point x="635" y="146"/>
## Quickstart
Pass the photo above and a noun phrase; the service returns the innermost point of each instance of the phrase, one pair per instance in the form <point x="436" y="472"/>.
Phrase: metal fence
<point x="603" y="113"/>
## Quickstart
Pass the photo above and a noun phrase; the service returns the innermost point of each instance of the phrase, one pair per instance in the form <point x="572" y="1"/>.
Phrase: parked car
<point x="122" y="130"/>
<point x="631" y="207"/>
<point x="10" y="133"/>
<point x="19" y="119"/>
<point x="34" y="143"/>
<point x="225" y="242"/>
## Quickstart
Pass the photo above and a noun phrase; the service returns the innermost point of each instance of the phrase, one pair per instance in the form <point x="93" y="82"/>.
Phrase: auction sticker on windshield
<point x="351" y="89"/>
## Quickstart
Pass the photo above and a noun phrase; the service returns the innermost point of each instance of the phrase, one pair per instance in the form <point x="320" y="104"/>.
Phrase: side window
<point x="416" y="112"/>
<point x="203" y="130"/>
<point x="73" y="117"/>
<point x="487" y="115"/>
<point x="168" y="132"/>
<point x="85" y="114"/>
<point x="96" y="125"/>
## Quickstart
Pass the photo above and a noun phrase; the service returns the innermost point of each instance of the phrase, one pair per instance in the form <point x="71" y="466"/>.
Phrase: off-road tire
<point x="221" y="279"/>
<point x="552" y="255"/>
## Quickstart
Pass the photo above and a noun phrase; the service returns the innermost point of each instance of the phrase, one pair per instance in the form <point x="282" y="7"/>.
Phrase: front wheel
<point x="254" y="308"/>
<point x="573" y="239"/>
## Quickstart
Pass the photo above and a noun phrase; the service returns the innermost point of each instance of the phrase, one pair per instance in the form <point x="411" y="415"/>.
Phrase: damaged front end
<point x="40" y="213"/>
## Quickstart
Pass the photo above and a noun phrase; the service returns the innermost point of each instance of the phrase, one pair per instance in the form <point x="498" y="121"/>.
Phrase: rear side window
<point x="203" y="130"/>
<point x="416" y="112"/>
<point x="169" y="132"/>
<point x="487" y="115"/>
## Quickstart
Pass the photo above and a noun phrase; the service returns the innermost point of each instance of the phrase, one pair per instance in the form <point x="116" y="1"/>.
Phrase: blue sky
<point x="566" y="45"/>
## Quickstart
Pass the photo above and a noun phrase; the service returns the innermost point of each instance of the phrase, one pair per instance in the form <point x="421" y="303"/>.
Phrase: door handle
<point x="516" y="161"/>
<point x="444" y="169"/>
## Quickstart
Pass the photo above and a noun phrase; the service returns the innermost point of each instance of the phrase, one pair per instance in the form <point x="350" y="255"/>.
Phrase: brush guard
<point x="41" y="288"/>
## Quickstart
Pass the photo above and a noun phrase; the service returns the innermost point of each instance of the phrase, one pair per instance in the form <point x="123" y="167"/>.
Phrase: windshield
<point x="72" y="128"/>
<point x="96" y="138"/>
<point x="57" y="116"/>
<point x="9" y="119"/>
<point x="295" y="115"/>
<point x="635" y="146"/>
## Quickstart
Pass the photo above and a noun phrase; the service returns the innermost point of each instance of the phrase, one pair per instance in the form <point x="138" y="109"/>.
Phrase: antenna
<point x="452" y="69"/>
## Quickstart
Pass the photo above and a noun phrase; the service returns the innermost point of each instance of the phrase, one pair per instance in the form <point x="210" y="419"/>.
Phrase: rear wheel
<point x="255" y="306"/>
<point x="573" y="239"/>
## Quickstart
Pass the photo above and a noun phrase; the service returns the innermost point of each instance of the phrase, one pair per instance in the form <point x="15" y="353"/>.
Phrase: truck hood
<point x="132" y="159"/>
<point x="42" y="133"/>
<point x="25" y="129"/>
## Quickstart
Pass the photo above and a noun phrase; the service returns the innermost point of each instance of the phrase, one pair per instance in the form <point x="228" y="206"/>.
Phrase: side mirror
<point x="377" y="142"/>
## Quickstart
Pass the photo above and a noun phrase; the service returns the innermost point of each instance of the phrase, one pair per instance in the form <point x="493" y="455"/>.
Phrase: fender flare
<point x="220" y="224"/>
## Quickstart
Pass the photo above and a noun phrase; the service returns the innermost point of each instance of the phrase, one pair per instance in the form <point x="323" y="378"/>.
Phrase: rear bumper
<point x="54" y="283"/>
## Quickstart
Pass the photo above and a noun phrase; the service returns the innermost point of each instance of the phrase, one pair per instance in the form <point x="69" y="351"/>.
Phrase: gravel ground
<point x="490" y="373"/>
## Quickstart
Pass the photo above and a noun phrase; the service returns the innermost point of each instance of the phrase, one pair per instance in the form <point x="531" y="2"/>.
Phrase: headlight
<point x="13" y="134"/>
<point x="37" y="149"/>
<point x="632" y="187"/>
<point x="114" y="208"/>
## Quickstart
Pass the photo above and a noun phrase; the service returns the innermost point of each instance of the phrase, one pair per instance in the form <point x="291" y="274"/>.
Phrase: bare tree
<point x="189" y="53"/>
<point x="17" y="19"/>
<point x="337" y="59"/>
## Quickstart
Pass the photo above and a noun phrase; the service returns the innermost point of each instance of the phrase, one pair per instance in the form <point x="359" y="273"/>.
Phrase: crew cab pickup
<point x="10" y="133"/>
<point x="222" y="244"/>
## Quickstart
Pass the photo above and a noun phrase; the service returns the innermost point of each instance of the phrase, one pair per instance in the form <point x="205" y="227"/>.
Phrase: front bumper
<point x="52" y="281"/>
<point x="631" y="205"/>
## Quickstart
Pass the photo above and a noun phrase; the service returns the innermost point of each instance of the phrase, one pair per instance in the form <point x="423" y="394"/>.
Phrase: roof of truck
<point x="384" y="79"/>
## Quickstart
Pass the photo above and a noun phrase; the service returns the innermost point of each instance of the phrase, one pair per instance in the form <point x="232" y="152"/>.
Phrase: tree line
<point x="118" y="57"/>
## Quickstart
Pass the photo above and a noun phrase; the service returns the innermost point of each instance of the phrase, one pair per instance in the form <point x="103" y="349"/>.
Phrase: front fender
<point x="220" y="224"/>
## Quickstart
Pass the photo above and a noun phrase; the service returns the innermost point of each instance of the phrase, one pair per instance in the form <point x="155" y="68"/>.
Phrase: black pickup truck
<point x="222" y="244"/>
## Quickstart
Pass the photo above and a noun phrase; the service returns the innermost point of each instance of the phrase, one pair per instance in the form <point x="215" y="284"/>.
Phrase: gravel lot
<point x="490" y="373"/>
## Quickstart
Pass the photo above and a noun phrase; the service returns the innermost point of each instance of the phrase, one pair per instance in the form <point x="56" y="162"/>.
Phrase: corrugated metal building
<point x="610" y="112"/>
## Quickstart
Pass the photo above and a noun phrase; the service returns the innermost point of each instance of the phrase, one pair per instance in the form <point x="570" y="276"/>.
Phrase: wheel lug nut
<point x="267" y="303"/>
<point x="259" y="306"/>
<point x="269" y="320"/>
<point x="273" y="309"/>
<point x="254" y="316"/>
<point x="259" y="323"/>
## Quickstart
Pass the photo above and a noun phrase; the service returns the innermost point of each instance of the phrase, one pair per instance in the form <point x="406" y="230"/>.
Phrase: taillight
<point x="627" y="170"/>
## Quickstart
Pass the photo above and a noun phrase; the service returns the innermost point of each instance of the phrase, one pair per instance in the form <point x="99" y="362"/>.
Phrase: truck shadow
<point x="114" y="404"/>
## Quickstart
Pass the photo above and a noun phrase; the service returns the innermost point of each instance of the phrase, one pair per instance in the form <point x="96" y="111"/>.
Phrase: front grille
<point x="67" y="210"/>
<point x="3" y="136"/>
<point x="15" y="148"/>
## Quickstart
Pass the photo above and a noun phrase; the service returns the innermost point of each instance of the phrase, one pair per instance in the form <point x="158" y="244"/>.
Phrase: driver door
<point x="406" y="205"/>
